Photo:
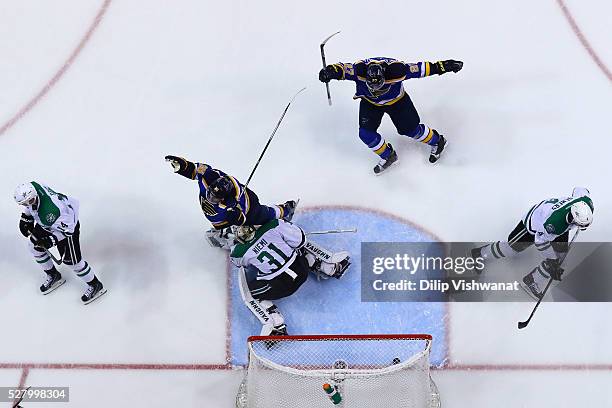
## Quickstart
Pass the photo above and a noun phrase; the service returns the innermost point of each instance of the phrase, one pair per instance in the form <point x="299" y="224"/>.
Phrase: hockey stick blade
<point x="327" y="39"/>
<point x="322" y="47"/>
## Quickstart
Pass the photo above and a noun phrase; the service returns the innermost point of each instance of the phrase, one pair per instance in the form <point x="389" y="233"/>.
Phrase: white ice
<point x="526" y="119"/>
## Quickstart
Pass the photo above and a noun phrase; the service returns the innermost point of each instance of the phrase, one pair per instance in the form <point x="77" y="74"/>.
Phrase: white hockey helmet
<point x="25" y="194"/>
<point x="245" y="233"/>
<point x="582" y="215"/>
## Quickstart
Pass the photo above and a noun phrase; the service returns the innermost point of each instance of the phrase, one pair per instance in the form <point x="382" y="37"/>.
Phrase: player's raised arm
<point x="423" y="69"/>
<point x="182" y="166"/>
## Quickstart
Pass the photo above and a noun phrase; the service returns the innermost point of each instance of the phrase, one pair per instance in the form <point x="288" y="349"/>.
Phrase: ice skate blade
<point x="57" y="285"/>
<point x="98" y="295"/>
<point x="441" y="154"/>
<point x="387" y="170"/>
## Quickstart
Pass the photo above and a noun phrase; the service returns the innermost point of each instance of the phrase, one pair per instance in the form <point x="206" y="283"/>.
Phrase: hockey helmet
<point x="25" y="194"/>
<point x="581" y="213"/>
<point x="219" y="190"/>
<point x="245" y="233"/>
<point x="375" y="76"/>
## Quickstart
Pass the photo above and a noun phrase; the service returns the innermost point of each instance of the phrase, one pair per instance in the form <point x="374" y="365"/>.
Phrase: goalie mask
<point x="245" y="233"/>
<point x="375" y="77"/>
<point x="581" y="214"/>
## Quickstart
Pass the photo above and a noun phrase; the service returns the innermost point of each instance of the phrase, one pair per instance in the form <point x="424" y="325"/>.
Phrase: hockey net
<point x="365" y="370"/>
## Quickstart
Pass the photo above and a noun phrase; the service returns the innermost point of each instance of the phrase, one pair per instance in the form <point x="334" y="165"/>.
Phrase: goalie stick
<point x="325" y="64"/>
<point x="336" y="231"/>
<point x="522" y="325"/>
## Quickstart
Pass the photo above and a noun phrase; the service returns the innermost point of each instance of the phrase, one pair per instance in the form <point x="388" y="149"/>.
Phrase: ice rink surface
<point x="96" y="93"/>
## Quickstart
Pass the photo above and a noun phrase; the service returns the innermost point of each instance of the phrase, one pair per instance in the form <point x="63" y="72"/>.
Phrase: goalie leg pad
<point x="324" y="263"/>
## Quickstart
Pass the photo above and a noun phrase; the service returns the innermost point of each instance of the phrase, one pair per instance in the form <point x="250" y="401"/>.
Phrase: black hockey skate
<point x="531" y="287"/>
<point x="54" y="280"/>
<point x="341" y="267"/>
<point x="436" y="151"/>
<point x="385" y="164"/>
<point x="94" y="290"/>
<point x="288" y="209"/>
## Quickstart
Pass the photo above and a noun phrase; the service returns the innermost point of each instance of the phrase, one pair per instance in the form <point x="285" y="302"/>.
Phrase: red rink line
<point x="585" y="43"/>
<point x="113" y="366"/>
<point x="222" y="367"/>
<point x="60" y="73"/>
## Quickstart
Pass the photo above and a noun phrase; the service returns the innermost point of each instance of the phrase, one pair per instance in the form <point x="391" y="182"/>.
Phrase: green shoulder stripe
<point x="47" y="210"/>
<point x="241" y="249"/>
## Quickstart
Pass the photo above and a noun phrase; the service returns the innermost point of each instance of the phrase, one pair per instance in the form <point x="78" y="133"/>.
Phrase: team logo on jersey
<point x="549" y="228"/>
<point x="414" y="68"/>
<point x="50" y="218"/>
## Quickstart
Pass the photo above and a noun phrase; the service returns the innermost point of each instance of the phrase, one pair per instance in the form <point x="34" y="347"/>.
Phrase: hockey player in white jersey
<point x="51" y="219"/>
<point x="546" y="225"/>
<point x="279" y="258"/>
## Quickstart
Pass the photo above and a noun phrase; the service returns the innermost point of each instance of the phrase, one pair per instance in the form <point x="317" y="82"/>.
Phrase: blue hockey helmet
<point x="375" y="76"/>
<point x="219" y="190"/>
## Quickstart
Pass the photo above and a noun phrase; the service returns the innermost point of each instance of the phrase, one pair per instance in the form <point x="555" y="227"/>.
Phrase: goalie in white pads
<point x="280" y="258"/>
<point x="546" y="225"/>
<point x="51" y="219"/>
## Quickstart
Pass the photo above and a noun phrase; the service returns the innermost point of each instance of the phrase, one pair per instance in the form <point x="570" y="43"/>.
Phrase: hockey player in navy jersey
<point x="380" y="88"/>
<point x="226" y="202"/>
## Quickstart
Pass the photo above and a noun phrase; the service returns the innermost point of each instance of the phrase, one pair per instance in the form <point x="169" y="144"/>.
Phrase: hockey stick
<point x="324" y="64"/>
<point x="57" y="261"/>
<point x="337" y="231"/>
<point x="17" y="402"/>
<point x="270" y="139"/>
<point x="522" y="325"/>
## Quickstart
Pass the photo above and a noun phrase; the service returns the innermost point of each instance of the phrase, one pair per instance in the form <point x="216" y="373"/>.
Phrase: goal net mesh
<point x="366" y="371"/>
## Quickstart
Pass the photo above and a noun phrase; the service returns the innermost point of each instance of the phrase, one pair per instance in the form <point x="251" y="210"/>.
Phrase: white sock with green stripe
<point x="83" y="271"/>
<point x="497" y="250"/>
<point x="42" y="258"/>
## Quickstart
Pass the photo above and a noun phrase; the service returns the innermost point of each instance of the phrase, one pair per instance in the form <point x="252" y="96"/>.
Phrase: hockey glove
<point x="45" y="242"/>
<point x="330" y="72"/>
<point x="26" y="225"/>
<point x="442" y="67"/>
<point x="177" y="163"/>
<point x="553" y="268"/>
<point x="235" y="216"/>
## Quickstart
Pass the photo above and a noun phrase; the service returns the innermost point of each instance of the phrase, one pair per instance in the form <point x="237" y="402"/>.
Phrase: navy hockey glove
<point x="45" y="242"/>
<point x="26" y="225"/>
<point x="330" y="72"/>
<point x="235" y="216"/>
<point x="442" y="67"/>
<point x="553" y="268"/>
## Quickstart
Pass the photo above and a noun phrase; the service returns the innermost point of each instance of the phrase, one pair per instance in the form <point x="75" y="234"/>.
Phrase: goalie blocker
<point x="275" y="260"/>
